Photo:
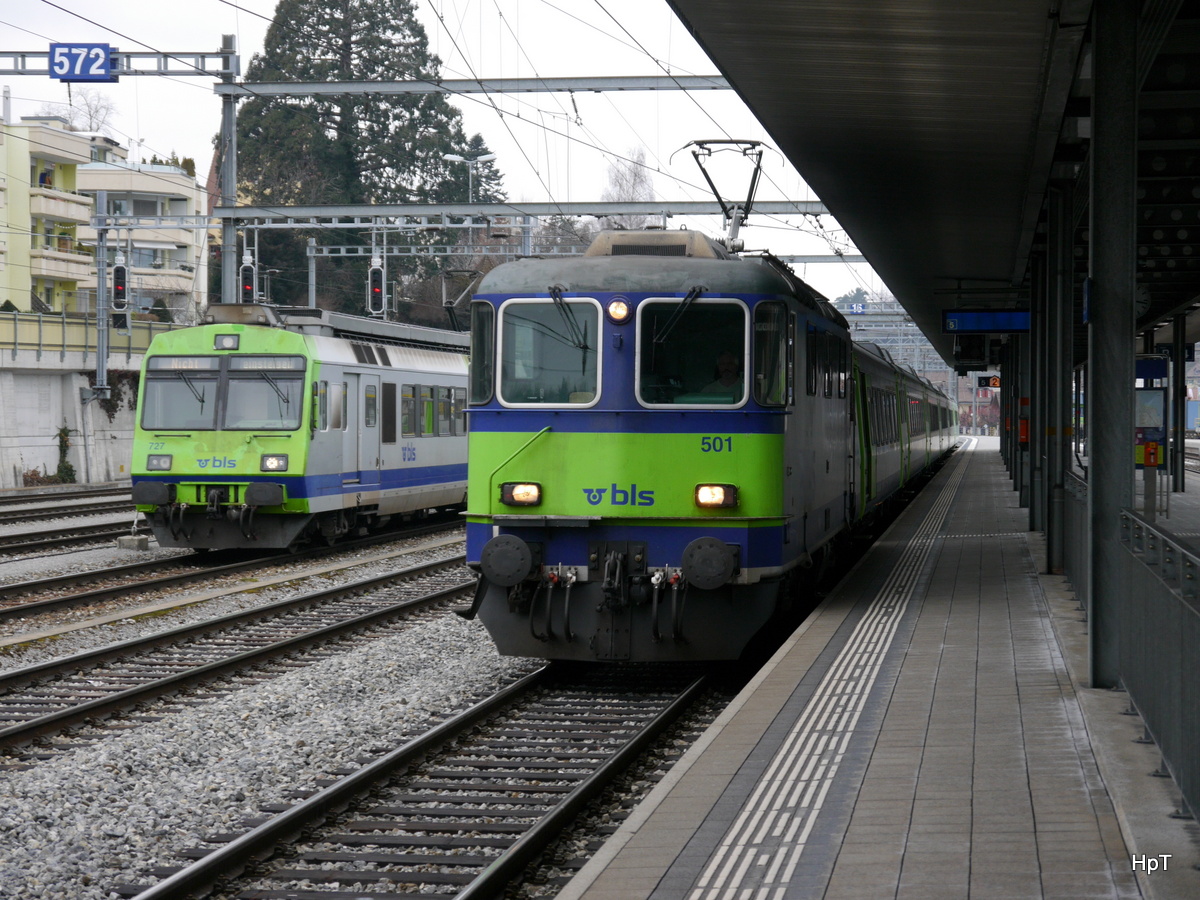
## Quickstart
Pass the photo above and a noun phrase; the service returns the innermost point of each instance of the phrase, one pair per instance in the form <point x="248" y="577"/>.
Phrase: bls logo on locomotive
<point x="619" y="496"/>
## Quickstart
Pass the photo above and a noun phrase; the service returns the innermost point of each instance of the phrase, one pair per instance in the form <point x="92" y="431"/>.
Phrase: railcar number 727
<point x="716" y="444"/>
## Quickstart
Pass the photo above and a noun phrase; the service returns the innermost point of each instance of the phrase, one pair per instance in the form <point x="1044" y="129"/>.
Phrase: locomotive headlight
<point x="158" y="462"/>
<point x="520" y="493"/>
<point x="618" y="309"/>
<point x="226" y="342"/>
<point x="273" y="462"/>
<point x="711" y="496"/>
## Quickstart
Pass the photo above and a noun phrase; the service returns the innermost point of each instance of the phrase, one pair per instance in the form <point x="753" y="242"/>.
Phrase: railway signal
<point x="376" y="298"/>
<point x="120" y="298"/>
<point x="249" y="278"/>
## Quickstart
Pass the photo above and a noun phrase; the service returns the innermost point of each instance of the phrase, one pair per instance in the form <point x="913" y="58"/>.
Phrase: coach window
<point x="266" y="393"/>
<point x="460" y="411"/>
<point x="387" y="433"/>
<point x="445" y="411"/>
<point x="548" y="352"/>
<point x="771" y="354"/>
<point x="408" y="411"/>
<point x="323" y="406"/>
<point x="811" y="355"/>
<point x="692" y="351"/>
<point x="180" y="392"/>
<point x="483" y="343"/>
<point x="337" y="406"/>
<point x="428" y="421"/>
<point x="370" y="406"/>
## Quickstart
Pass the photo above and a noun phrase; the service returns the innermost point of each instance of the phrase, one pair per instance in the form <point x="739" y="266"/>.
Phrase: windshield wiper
<point x="679" y="311"/>
<point x="271" y="381"/>
<point x="198" y="394"/>
<point x="578" y="339"/>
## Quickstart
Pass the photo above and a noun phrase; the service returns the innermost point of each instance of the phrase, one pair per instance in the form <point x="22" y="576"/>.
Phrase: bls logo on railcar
<point x="217" y="462"/>
<point x="619" y="496"/>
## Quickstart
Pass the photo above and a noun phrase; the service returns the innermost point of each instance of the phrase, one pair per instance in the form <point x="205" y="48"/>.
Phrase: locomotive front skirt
<point x="663" y="438"/>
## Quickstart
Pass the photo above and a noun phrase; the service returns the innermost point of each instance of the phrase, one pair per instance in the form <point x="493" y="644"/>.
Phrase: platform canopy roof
<point x="932" y="130"/>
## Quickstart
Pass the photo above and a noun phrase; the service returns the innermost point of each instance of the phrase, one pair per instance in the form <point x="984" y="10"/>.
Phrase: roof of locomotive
<point x="666" y="262"/>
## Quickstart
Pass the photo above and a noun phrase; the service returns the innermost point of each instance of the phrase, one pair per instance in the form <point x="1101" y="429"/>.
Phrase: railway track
<point x="47" y="698"/>
<point x="66" y="536"/>
<point x="28" y="598"/>
<point x="63" y="511"/>
<point x="58" y="495"/>
<point x="464" y="808"/>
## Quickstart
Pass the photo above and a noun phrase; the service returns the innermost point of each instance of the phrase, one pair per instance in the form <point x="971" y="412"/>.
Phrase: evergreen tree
<point x="347" y="149"/>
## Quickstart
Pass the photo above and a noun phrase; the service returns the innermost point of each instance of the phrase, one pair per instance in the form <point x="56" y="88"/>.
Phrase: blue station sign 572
<point x="81" y="62"/>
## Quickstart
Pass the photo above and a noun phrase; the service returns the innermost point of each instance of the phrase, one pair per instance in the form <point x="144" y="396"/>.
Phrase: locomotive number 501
<point x="716" y="444"/>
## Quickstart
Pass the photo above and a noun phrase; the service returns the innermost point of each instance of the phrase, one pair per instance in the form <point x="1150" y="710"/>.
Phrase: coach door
<point x="368" y="432"/>
<point x="360" y="445"/>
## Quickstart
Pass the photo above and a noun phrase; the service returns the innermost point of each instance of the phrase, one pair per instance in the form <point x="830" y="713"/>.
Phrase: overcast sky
<point x="550" y="147"/>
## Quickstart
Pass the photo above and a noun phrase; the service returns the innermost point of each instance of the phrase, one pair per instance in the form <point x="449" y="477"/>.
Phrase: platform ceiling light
<point x="273" y="462"/>
<point x="158" y="462"/>
<point x="618" y="310"/>
<point x="521" y="493"/>
<point x="226" y="342"/>
<point x="716" y="496"/>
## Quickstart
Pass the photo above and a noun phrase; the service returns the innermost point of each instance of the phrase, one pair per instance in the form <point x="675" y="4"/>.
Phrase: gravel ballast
<point x="76" y="825"/>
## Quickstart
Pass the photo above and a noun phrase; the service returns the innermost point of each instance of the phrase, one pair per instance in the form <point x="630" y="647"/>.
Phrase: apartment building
<point x="167" y="265"/>
<point x="49" y="180"/>
<point x="42" y="262"/>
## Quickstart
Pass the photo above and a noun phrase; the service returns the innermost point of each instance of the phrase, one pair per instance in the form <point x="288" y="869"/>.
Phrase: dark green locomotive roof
<point x="667" y="262"/>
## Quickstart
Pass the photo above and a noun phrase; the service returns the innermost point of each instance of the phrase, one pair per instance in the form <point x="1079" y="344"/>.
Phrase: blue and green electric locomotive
<point x="663" y="435"/>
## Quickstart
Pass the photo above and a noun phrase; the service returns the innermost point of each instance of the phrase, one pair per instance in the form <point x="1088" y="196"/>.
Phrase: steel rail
<point x="202" y="571"/>
<point x="494" y="878"/>
<point x="23" y="732"/>
<point x="231" y="859"/>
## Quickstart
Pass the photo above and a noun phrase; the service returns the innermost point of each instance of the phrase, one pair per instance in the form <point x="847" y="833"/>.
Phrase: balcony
<point x="59" y="206"/>
<point x="60" y="265"/>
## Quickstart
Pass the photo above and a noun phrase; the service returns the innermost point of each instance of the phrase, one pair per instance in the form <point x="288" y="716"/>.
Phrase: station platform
<point x="925" y="734"/>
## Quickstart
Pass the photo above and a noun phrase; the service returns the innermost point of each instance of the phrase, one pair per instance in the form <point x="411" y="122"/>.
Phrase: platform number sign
<point x="81" y="62"/>
<point x="988" y="381"/>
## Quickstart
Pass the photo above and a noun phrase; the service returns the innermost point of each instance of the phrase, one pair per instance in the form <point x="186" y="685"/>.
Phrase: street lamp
<point x="472" y="165"/>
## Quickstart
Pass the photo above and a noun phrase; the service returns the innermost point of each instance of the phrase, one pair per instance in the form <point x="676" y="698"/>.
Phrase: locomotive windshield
<point x="548" y="351"/>
<point x="692" y="352"/>
<point x="203" y="393"/>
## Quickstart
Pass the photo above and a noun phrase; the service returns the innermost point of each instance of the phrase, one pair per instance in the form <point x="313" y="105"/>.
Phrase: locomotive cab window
<point x="772" y="354"/>
<point x="692" y="352"/>
<point x="181" y="392"/>
<point x="265" y="393"/>
<point x="483" y="357"/>
<point x="260" y="393"/>
<point x="548" y="352"/>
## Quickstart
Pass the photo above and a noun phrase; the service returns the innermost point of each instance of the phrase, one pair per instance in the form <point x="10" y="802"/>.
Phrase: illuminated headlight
<point x="709" y="496"/>
<point x="158" y="462"/>
<point x="514" y="493"/>
<point x="273" y="462"/>
<point x="618" y="309"/>
<point x="226" y="342"/>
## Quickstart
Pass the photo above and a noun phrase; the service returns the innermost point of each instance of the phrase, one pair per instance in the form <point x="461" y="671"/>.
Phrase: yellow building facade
<point x="42" y="262"/>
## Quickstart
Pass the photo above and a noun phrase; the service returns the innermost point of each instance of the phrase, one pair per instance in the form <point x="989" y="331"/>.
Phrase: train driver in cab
<point x="729" y="376"/>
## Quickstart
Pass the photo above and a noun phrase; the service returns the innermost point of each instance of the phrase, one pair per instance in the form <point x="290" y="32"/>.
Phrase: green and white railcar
<point x="268" y="427"/>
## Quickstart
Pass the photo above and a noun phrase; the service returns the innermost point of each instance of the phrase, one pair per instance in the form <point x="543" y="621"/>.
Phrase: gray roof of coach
<point x="311" y="320"/>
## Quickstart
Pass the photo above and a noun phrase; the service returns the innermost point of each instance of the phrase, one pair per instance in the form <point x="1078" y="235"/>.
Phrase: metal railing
<point x="1160" y="643"/>
<point x="1159" y="623"/>
<point x="1077" y="538"/>
<point x="63" y="333"/>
